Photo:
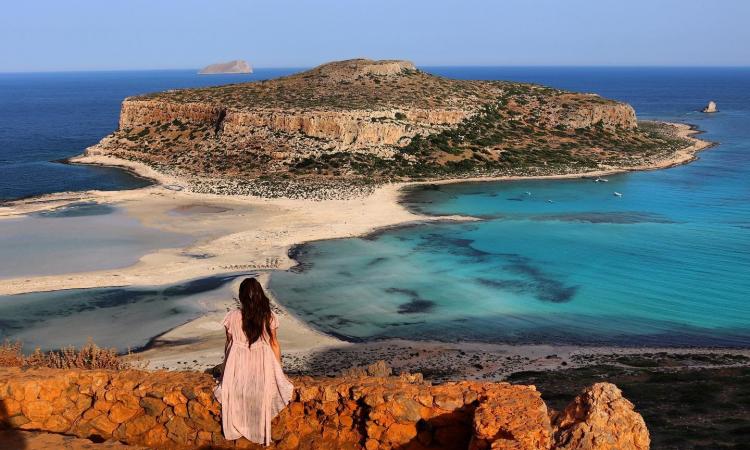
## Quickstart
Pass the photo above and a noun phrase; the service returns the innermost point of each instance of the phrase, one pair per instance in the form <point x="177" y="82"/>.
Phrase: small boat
<point x="601" y="180"/>
<point x="550" y="201"/>
<point x="528" y="193"/>
<point x="617" y="194"/>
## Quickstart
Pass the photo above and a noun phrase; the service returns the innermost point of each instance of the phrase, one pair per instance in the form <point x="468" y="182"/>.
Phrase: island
<point x="711" y="107"/>
<point x="363" y="122"/>
<point x="236" y="66"/>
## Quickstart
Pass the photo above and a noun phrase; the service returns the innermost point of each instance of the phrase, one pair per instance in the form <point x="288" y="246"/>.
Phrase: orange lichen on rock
<point x="178" y="410"/>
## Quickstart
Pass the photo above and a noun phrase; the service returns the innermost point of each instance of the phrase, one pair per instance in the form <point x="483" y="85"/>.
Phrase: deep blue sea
<point x="566" y="261"/>
<point x="46" y="117"/>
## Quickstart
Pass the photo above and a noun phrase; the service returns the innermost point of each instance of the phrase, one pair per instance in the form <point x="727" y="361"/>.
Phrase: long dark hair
<point x="256" y="310"/>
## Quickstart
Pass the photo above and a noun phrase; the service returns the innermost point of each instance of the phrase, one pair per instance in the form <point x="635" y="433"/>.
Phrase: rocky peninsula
<point x="359" y="123"/>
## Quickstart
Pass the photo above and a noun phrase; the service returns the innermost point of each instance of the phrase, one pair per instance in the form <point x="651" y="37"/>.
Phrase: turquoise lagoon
<point x="562" y="261"/>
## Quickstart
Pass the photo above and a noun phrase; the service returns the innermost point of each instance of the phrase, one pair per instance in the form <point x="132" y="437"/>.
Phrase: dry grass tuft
<point x="11" y="354"/>
<point x="90" y="356"/>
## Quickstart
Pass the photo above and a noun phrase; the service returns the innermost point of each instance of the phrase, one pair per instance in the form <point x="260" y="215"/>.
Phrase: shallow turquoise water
<point x="668" y="263"/>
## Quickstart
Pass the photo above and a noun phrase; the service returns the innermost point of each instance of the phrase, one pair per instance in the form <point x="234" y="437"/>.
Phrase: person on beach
<point x="253" y="388"/>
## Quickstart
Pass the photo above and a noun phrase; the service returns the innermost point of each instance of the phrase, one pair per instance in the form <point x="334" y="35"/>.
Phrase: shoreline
<point x="256" y="234"/>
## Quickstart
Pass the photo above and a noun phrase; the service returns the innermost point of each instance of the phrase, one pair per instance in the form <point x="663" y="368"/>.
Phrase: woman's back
<point x="254" y="388"/>
<point x="233" y="324"/>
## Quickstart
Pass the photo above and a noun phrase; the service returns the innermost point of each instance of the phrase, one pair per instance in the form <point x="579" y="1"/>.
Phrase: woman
<point x="253" y="387"/>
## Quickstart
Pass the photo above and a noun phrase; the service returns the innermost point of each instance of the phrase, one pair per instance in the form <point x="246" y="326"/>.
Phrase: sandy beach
<point x="248" y="234"/>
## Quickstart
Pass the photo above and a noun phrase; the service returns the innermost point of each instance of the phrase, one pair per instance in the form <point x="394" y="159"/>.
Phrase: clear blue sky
<point x="45" y="35"/>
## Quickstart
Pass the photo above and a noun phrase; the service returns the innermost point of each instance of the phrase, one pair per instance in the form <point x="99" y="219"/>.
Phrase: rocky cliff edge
<point x="178" y="410"/>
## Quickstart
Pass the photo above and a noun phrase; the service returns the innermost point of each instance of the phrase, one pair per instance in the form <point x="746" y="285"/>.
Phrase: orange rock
<point x="16" y="421"/>
<point x="103" y="424"/>
<point x="36" y="410"/>
<point x="203" y="417"/>
<point x="329" y="408"/>
<point x="9" y="407"/>
<point x="425" y="399"/>
<point x="346" y="421"/>
<point x="56" y="424"/>
<point x="512" y="417"/>
<point x="121" y="413"/>
<point x="296" y="409"/>
<point x="152" y="406"/>
<point x="179" y="431"/>
<point x="90" y="414"/>
<point x="180" y="409"/>
<point x="82" y="403"/>
<point x="175" y="398"/>
<point x="139" y="425"/>
<point x="52" y="389"/>
<point x="156" y="437"/>
<point x="289" y="442"/>
<point x="600" y="418"/>
<point x="374" y="431"/>
<point x="406" y="410"/>
<point x="400" y="433"/>
<point x="204" y="438"/>
<point x="449" y="401"/>
<point x="173" y="410"/>
<point x="31" y="426"/>
<point x="31" y="391"/>
<point x="103" y="405"/>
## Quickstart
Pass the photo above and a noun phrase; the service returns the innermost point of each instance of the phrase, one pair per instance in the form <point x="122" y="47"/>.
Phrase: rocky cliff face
<point x="177" y="409"/>
<point x="363" y="120"/>
<point x="343" y="130"/>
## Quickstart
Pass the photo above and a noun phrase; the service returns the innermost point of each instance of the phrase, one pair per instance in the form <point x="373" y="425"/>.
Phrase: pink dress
<point x="254" y="388"/>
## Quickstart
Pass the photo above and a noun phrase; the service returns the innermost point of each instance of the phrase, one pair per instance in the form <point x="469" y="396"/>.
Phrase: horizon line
<point x="551" y="66"/>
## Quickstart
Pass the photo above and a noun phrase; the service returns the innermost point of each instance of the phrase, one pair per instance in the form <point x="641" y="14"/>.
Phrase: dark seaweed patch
<point x="538" y="283"/>
<point x="515" y="286"/>
<point x="199" y="255"/>
<point x="376" y="261"/>
<point x="78" y="209"/>
<point x="301" y="254"/>
<point x="416" y="304"/>
<point x="338" y="321"/>
<point x="547" y="288"/>
<point x="622" y="217"/>
<point x="440" y="243"/>
<point x="70" y="302"/>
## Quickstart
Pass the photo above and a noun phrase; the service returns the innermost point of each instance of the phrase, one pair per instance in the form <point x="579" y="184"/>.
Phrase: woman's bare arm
<point x="275" y="345"/>
<point x="227" y="346"/>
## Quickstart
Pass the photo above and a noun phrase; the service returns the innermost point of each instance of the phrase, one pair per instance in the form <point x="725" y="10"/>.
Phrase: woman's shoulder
<point x="230" y="316"/>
